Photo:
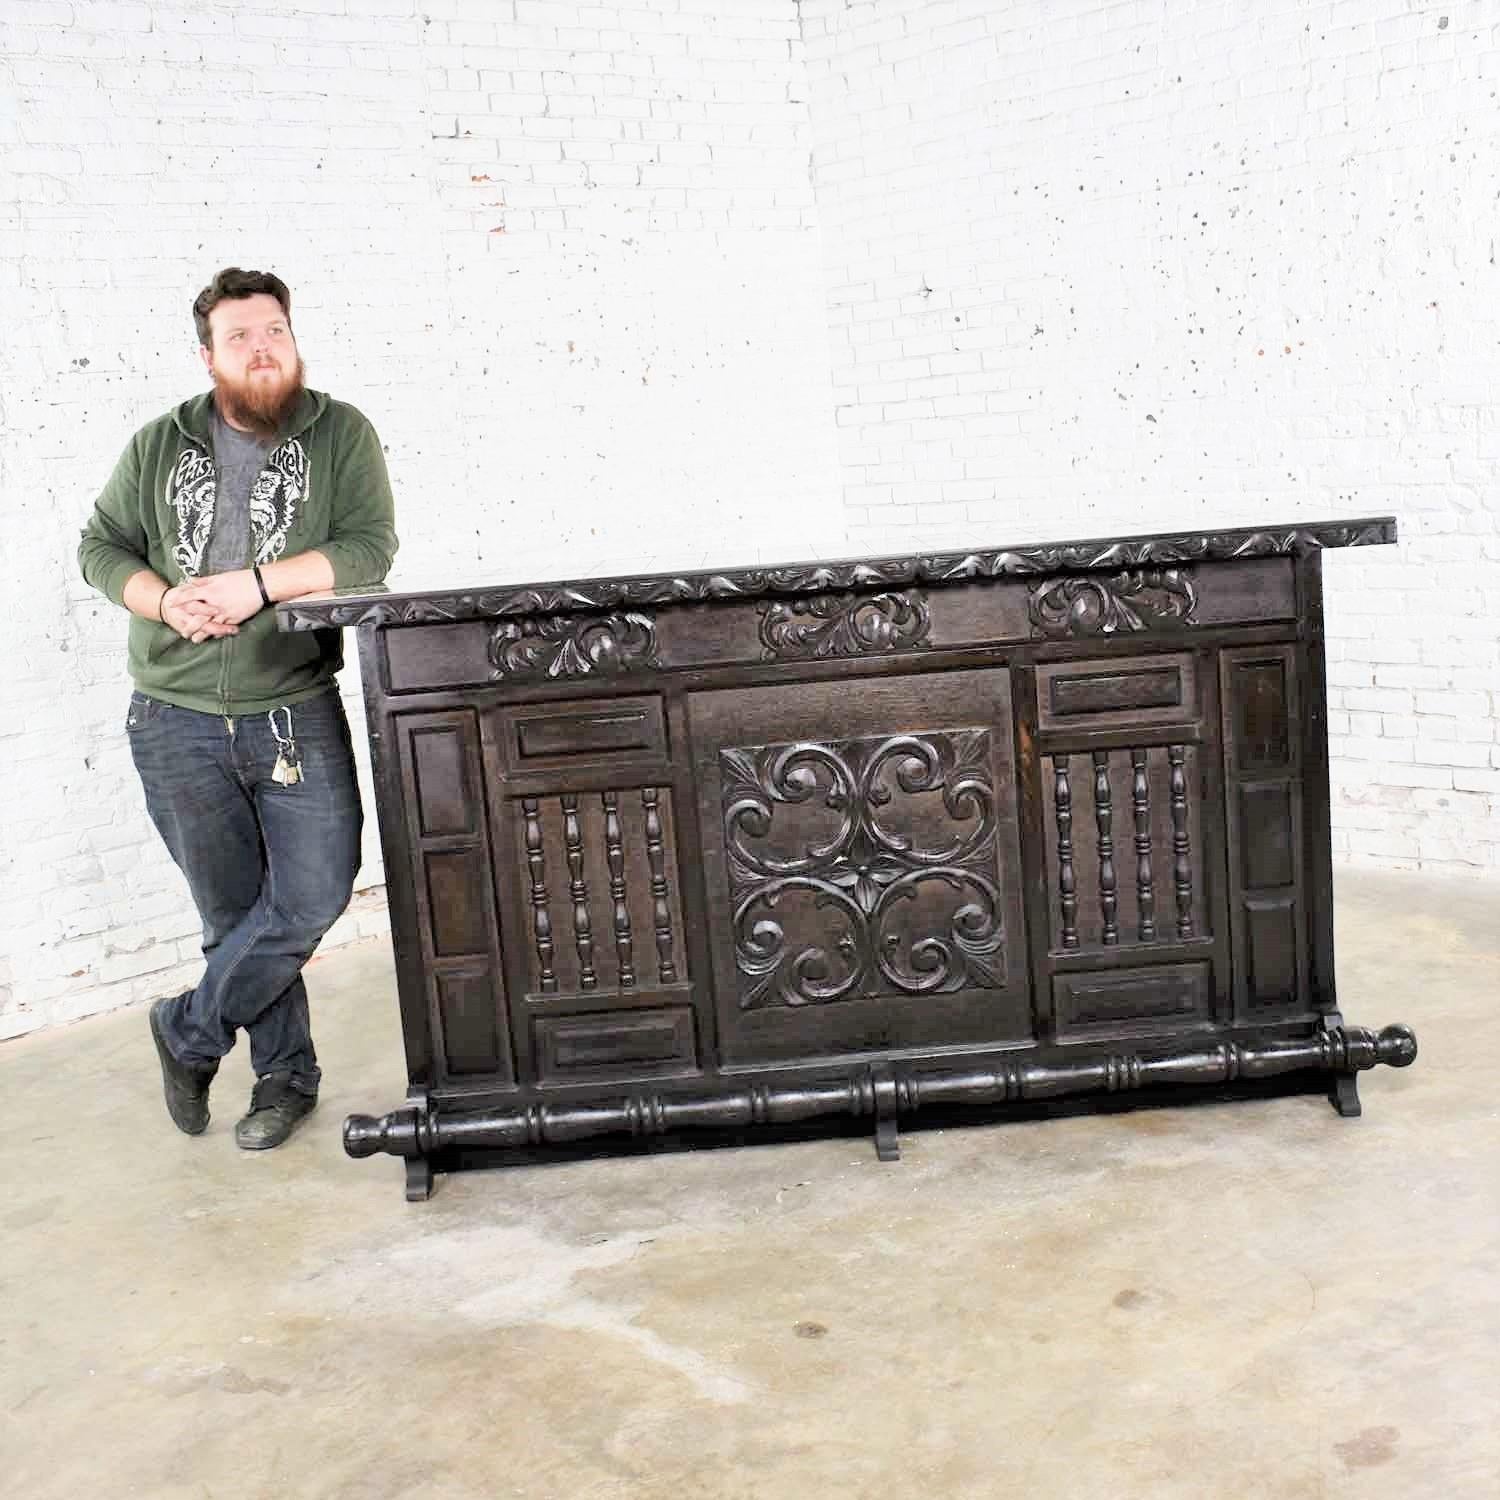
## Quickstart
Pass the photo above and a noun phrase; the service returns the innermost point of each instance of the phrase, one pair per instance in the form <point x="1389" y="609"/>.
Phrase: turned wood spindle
<point x="660" y="905"/>
<point x="615" y="852"/>
<point x="541" y="917"/>
<point x="1067" y="882"/>
<point x="583" y="931"/>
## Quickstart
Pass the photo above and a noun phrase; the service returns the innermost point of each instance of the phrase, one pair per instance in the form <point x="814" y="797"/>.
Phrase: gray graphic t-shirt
<point x="239" y="457"/>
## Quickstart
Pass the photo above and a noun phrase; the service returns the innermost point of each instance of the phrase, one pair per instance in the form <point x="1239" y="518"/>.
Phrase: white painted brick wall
<point x="1097" y="266"/>
<point x="660" y="282"/>
<point x="562" y="255"/>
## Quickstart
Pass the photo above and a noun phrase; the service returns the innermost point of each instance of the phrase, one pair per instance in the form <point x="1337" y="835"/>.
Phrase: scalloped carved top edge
<point x="384" y="607"/>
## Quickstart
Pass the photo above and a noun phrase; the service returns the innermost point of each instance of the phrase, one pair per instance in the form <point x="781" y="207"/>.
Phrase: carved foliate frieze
<point x="1137" y="599"/>
<point x="572" y="646"/>
<point x="863" y="867"/>
<point x="845" y="624"/>
<point x="809" y="578"/>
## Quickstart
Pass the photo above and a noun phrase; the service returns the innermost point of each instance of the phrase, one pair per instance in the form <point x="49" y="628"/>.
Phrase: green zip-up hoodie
<point x="323" y="486"/>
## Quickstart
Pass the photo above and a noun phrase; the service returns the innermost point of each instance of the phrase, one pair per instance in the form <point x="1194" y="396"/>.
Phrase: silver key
<point x="288" y="768"/>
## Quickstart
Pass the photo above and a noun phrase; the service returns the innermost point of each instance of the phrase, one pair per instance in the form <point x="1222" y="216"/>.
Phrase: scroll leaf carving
<point x="1136" y="599"/>
<point x="842" y="625"/>
<point x="572" y="646"/>
<point x="877" y="908"/>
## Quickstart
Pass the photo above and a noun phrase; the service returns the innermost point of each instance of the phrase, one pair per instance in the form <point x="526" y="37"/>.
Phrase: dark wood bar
<point x="729" y="849"/>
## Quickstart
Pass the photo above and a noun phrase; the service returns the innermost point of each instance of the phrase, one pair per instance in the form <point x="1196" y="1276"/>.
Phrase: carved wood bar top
<point x="400" y="605"/>
<point x="735" y="848"/>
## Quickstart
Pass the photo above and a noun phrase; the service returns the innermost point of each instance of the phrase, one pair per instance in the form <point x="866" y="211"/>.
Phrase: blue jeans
<point x="270" y="867"/>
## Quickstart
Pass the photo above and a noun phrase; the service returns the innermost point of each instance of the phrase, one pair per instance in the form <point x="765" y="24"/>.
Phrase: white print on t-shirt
<point x="277" y="492"/>
<point x="192" y="488"/>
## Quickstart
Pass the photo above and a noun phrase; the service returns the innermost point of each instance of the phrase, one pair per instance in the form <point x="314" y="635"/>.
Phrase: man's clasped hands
<point x="199" y="609"/>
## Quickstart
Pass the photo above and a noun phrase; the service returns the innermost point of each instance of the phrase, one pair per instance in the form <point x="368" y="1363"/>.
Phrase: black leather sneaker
<point x="185" y="1087"/>
<point x="276" y="1109"/>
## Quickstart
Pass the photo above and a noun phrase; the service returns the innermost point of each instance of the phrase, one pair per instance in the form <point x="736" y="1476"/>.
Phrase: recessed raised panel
<point x="456" y="901"/>
<point x="445" y="802"/>
<point x="1102" y="692"/>
<point x="471" y="1033"/>
<point x="545" y="736"/>
<point x="1271" y="951"/>
<point x="583" y="734"/>
<point x="1131" y="692"/>
<point x="1267" y="850"/>
<point x="635" y="1043"/>
<point x="1131" y="999"/>
<point x="1260" y="715"/>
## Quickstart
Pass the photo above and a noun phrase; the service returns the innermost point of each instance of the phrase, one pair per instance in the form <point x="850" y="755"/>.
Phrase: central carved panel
<point x="863" y="867"/>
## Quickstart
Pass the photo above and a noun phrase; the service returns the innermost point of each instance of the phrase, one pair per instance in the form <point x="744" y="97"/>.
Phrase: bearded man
<point x="257" y="491"/>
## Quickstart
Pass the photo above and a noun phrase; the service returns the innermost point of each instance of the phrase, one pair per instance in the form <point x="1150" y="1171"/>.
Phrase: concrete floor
<point x="1255" y="1299"/>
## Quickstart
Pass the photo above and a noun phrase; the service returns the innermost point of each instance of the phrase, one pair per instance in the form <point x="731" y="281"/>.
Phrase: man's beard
<point x="261" y="406"/>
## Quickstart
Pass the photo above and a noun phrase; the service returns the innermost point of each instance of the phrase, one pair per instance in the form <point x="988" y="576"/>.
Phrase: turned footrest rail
<point x="885" y="1092"/>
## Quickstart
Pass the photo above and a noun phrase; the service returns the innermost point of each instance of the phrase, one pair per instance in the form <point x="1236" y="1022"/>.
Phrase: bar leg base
<point x="418" y="1179"/>
<point x="1343" y="1095"/>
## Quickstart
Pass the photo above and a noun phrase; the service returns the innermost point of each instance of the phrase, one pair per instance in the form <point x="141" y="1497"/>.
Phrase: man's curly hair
<point x="230" y="283"/>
